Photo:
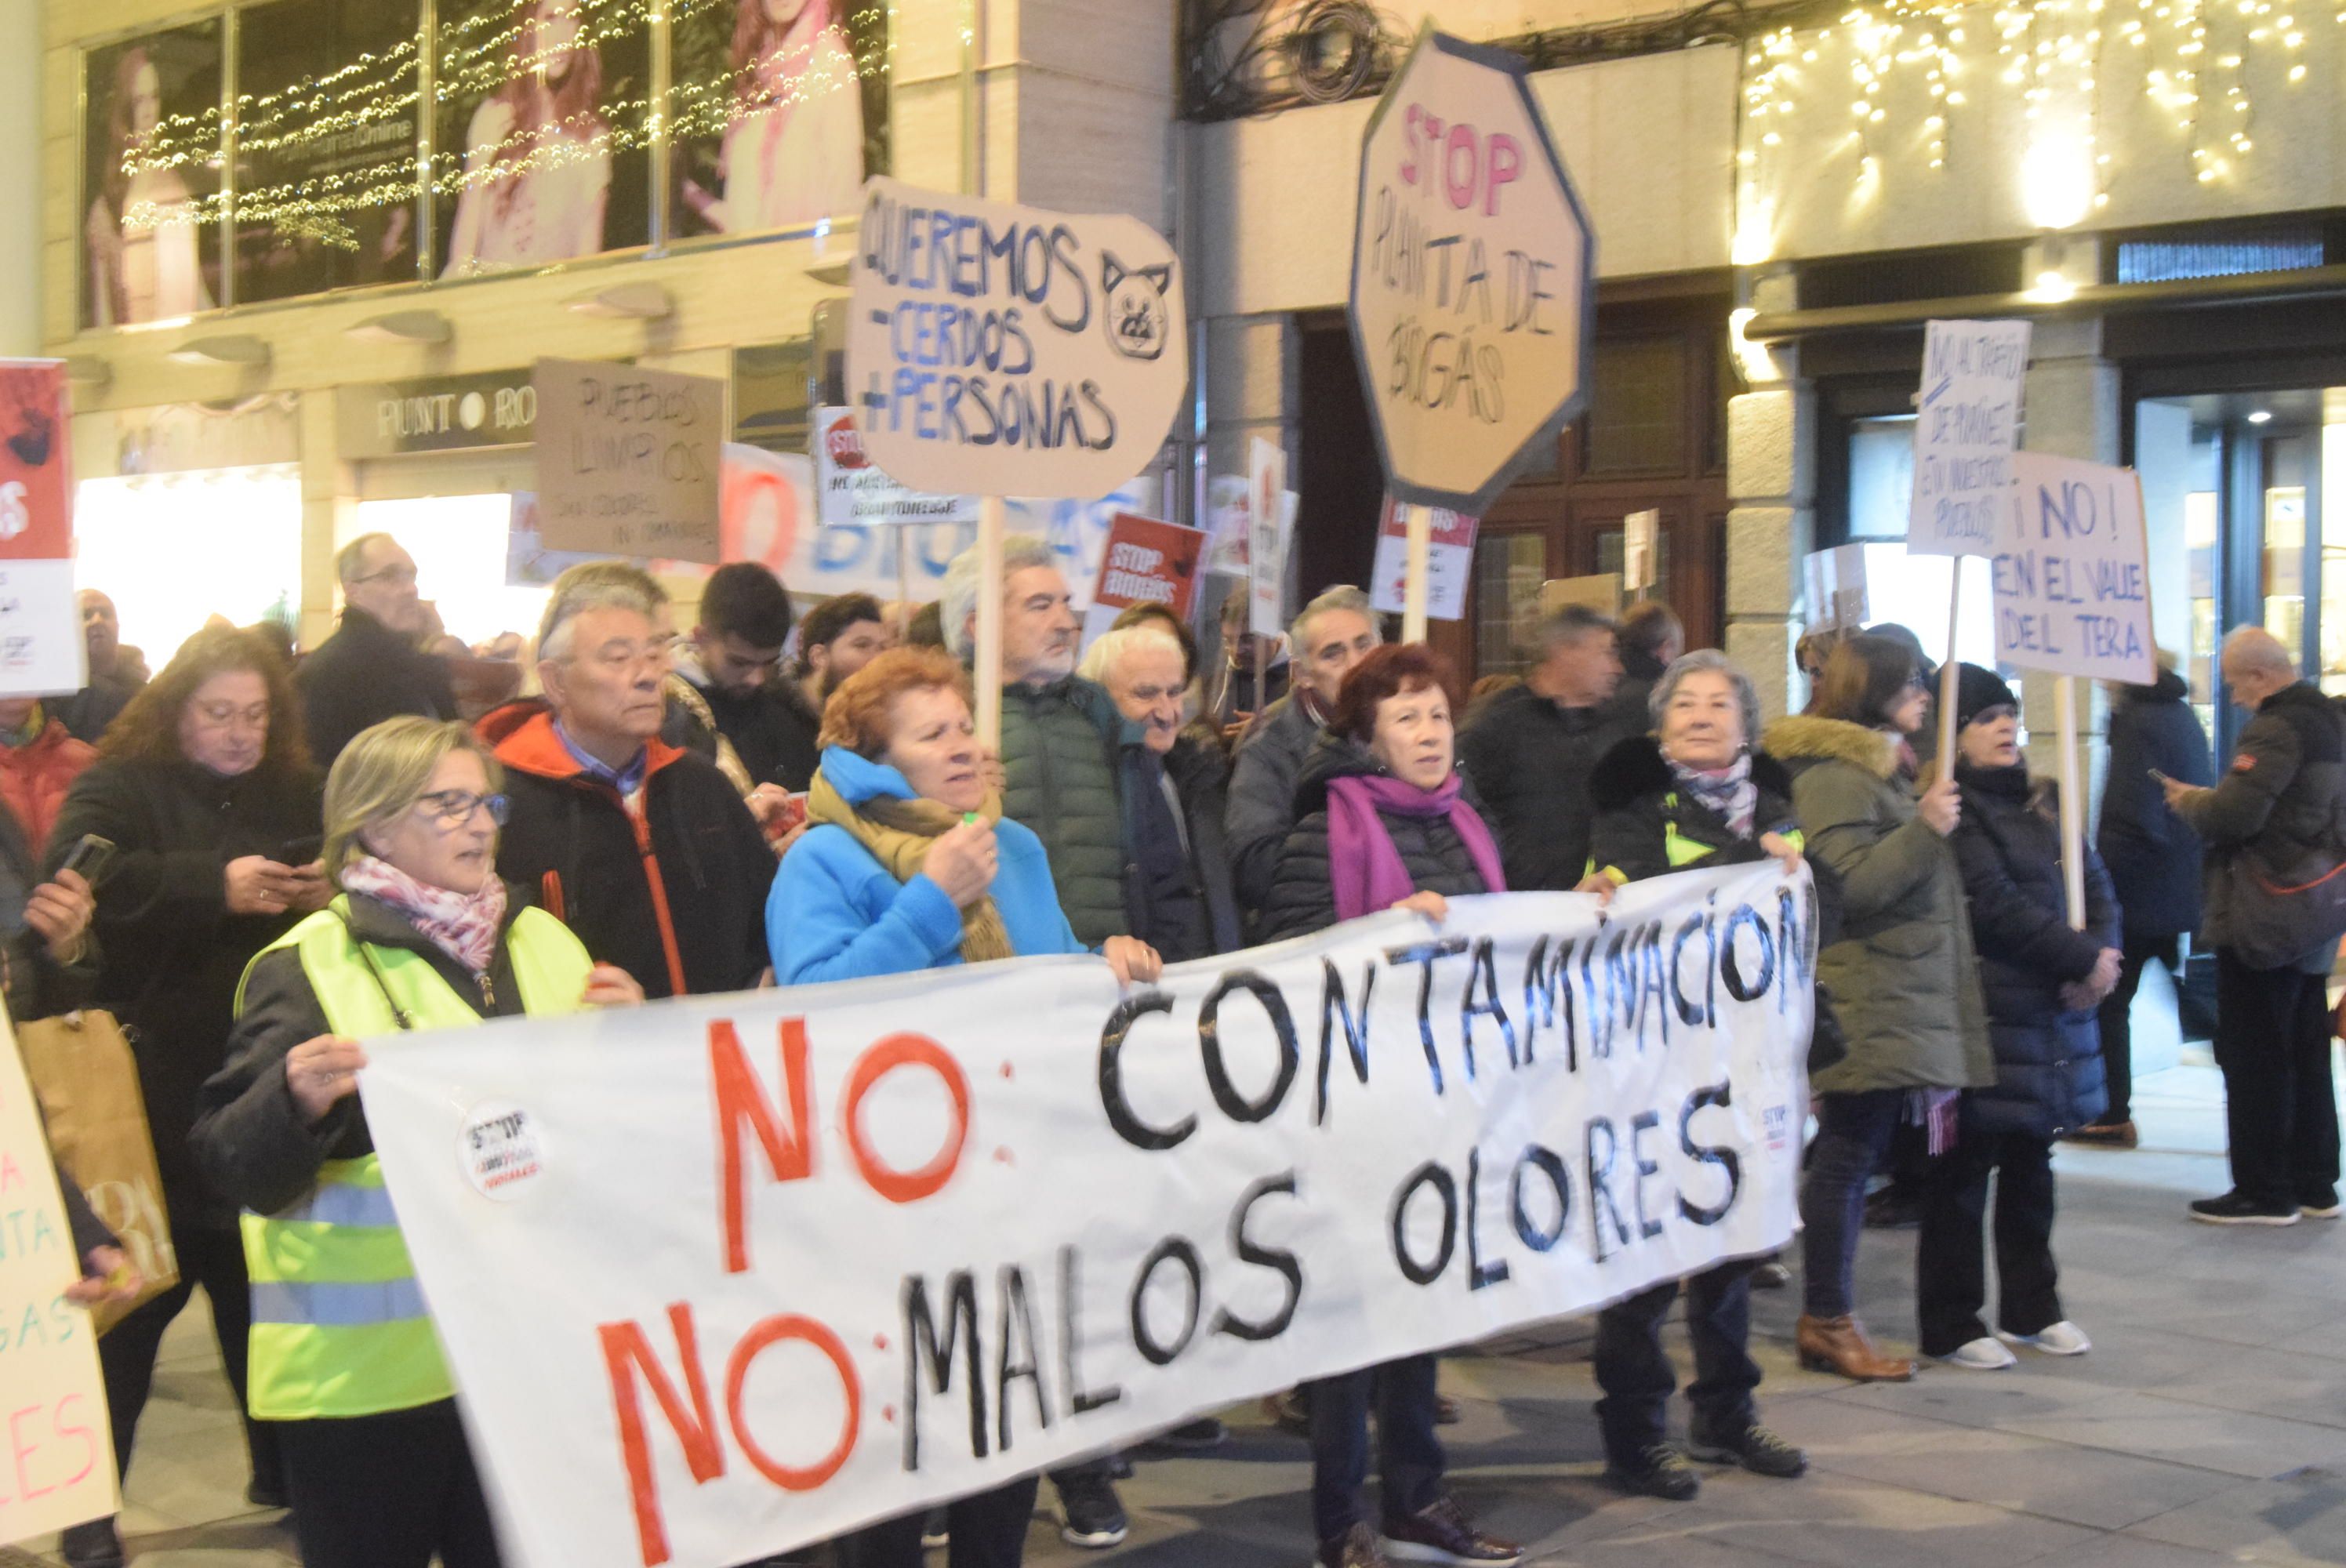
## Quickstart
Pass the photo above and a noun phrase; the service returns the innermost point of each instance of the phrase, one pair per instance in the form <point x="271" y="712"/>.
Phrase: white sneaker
<point x="1984" y="1354"/>
<point x="2063" y="1339"/>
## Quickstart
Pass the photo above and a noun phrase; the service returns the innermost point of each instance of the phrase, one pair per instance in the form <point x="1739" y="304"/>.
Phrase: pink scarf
<point x="464" y="926"/>
<point x="1365" y="869"/>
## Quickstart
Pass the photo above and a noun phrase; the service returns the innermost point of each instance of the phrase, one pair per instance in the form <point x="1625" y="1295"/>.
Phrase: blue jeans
<point x="1638" y="1377"/>
<point x="1854" y="1134"/>
<point x="1409" y="1462"/>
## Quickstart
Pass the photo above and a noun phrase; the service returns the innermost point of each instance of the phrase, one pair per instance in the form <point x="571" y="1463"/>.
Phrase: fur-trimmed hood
<point x="1636" y="767"/>
<point x="1803" y="737"/>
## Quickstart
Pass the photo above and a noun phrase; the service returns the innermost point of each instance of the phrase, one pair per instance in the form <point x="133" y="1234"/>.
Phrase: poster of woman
<point x="150" y="238"/>
<point x="782" y="110"/>
<point x="544" y="106"/>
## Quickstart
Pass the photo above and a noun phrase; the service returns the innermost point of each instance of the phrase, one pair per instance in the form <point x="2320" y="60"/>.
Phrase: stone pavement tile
<point x="2266" y="1383"/>
<point x="2292" y="1519"/>
<point x="1847" y="1523"/>
<point x="2237" y="1443"/>
<point x="192" y="1477"/>
<point x="2133" y="1551"/>
<point x="2124" y="1357"/>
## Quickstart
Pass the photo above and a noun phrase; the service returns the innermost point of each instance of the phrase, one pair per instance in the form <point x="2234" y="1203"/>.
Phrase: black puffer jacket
<point x="1303" y="896"/>
<point x="2048" y="1059"/>
<point x="1194" y="914"/>
<point x="1641" y="810"/>
<point x="2153" y="854"/>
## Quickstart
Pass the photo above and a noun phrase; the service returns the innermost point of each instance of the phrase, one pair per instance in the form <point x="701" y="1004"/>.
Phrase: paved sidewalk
<point x="2207" y="1426"/>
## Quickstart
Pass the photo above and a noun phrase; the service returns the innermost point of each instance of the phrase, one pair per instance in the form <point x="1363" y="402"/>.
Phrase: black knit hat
<point x="1977" y="690"/>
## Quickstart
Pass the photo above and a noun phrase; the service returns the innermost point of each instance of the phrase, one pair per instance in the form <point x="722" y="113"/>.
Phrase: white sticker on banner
<point x="502" y="1150"/>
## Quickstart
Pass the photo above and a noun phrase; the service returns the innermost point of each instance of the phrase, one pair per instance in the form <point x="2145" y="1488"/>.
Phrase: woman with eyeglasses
<point x="205" y="789"/>
<point x="1901" y="971"/>
<point x="423" y="934"/>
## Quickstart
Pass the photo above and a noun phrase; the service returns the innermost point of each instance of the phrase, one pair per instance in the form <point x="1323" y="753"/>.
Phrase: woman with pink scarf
<point x="1381" y="822"/>
<point x="423" y="935"/>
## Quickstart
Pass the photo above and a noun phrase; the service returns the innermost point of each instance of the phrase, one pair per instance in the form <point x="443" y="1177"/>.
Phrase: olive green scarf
<point x="900" y="834"/>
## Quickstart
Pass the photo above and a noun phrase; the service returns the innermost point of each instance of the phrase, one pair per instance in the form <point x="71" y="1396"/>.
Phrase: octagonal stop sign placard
<point x="1472" y="276"/>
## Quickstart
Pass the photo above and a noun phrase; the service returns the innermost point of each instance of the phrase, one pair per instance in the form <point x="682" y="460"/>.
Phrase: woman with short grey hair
<point x="1713" y="662"/>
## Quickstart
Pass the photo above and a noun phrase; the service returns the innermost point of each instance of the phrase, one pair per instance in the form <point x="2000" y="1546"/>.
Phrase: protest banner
<point x="2071" y="584"/>
<point x="1966" y="429"/>
<point x="994" y="350"/>
<point x="628" y="460"/>
<point x="42" y="653"/>
<point x="1834" y="589"/>
<point x="724" y="1275"/>
<point x="1146" y="562"/>
<point x="1449" y="562"/>
<point x="1472" y="300"/>
<point x="63" y="1469"/>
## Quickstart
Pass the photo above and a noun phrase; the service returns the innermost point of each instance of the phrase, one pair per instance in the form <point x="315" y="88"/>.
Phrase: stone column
<point x="1771" y="500"/>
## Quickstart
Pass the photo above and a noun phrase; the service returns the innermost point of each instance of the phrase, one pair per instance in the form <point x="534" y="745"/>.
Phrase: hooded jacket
<point x="1901" y="968"/>
<point x="672" y="888"/>
<point x="836" y="913"/>
<point x="1303" y="896"/>
<point x="2153" y="854"/>
<point x="1530" y="757"/>
<point x="2282" y="802"/>
<point x="2048" y="1059"/>
<point x="35" y="776"/>
<point x="1059" y="751"/>
<point x="362" y="675"/>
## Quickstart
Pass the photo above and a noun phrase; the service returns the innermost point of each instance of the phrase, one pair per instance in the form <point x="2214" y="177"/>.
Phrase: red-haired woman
<point x="538" y="161"/>
<point x="1381" y="823"/>
<point x="205" y="788"/>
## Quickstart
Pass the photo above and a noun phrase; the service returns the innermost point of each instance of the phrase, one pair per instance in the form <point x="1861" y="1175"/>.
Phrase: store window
<point x="174" y="550"/>
<point x="1912" y="590"/>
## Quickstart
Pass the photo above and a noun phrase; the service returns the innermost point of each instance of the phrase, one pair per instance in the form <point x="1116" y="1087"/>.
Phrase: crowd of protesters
<point x="302" y="857"/>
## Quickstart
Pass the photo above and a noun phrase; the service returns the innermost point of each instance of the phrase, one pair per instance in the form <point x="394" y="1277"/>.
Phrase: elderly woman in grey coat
<point x="1902" y="972"/>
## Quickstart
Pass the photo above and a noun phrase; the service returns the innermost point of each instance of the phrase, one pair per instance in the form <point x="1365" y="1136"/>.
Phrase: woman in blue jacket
<point x="909" y="864"/>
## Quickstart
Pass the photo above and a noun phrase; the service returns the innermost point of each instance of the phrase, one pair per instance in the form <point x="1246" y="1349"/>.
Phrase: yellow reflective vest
<point x="339" y="1328"/>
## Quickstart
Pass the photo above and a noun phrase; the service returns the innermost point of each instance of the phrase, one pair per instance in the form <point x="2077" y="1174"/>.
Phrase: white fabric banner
<point x="723" y="1275"/>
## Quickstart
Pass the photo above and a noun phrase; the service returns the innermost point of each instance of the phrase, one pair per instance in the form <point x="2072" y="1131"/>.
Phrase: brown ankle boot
<point x="1840" y="1345"/>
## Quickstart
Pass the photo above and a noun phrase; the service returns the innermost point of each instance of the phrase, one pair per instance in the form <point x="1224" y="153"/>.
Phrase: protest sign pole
<point x="988" y="673"/>
<point x="2073" y="804"/>
<point x="1419" y="520"/>
<point x="903" y="586"/>
<point x="1947" y="672"/>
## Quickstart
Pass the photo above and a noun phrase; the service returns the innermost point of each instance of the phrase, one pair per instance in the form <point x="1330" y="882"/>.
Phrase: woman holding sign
<point x="1382" y="822"/>
<point x="2043" y="982"/>
<point x="909" y="864"/>
<point x="1902" y="972"/>
<point x="423" y="935"/>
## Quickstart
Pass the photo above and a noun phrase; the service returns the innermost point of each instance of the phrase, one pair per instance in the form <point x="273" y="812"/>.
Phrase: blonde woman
<point x="423" y="935"/>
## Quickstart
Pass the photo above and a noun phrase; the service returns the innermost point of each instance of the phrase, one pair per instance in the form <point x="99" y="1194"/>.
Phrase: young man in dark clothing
<point x="736" y="664"/>
<point x="370" y="670"/>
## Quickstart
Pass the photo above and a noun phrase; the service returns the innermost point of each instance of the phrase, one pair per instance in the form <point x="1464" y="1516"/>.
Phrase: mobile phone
<point x="301" y="852"/>
<point x="2157" y="776"/>
<point x="88" y="857"/>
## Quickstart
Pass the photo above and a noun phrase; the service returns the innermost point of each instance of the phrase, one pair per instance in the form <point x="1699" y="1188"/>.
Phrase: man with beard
<point x="836" y="639"/>
<point x="735" y="663"/>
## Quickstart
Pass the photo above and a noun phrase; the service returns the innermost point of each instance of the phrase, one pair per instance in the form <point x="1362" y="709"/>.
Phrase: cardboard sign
<point x="1834" y="589"/>
<point x="1640" y="533"/>
<point x="999" y="350"/>
<point x="1600" y="591"/>
<point x="854" y="494"/>
<point x="790" y="1261"/>
<point x="42" y="653"/>
<point x="1147" y="562"/>
<point x="628" y="460"/>
<point x="1966" y="427"/>
<point x="1449" y="564"/>
<point x="1474" y="276"/>
<point x="2072" y="572"/>
<point x="63" y="1471"/>
<point x="1270" y="521"/>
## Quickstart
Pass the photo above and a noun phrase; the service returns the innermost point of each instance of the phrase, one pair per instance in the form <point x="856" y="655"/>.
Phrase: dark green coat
<point x="1060" y="746"/>
<point x="1902" y="973"/>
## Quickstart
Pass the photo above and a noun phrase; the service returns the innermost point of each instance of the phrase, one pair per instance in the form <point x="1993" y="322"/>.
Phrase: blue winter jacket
<point x="835" y="913"/>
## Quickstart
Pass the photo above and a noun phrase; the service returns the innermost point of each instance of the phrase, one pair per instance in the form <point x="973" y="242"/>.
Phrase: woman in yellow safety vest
<point x="423" y="935"/>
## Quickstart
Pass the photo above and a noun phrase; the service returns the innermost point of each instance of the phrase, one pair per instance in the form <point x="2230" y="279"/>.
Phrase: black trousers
<point x="2117" y="1015"/>
<point x="989" y="1531"/>
<point x="1636" y="1376"/>
<point x="214" y="1259"/>
<point x="2280" y="1108"/>
<point x="1854" y="1135"/>
<point x="1951" y="1262"/>
<point x="1410" y="1461"/>
<point x="387" y="1492"/>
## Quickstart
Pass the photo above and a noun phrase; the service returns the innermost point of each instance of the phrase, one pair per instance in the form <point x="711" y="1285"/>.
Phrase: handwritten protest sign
<point x="2071" y="572"/>
<point x="628" y="460"/>
<point x="854" y="494"/>
<point x="999" y="350"/>
<point x="1834" y="588"/>
<point x="795" y="1260"/>
<point x="1450" y="563"/>
<point x="62" y="1470"/>
<point x="1967" y="427"/>
<point x="1270" y="524"/>
<point x="1146" y="562"/>
<point x="42" y="653"/>
<point x="1474" y="268"/>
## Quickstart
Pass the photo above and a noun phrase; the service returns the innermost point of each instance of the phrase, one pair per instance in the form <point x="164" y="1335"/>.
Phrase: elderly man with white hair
<point x="2277" y="819"/>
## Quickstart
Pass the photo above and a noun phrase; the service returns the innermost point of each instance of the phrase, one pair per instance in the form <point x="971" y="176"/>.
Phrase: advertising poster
<point x="776" y="119"/>
<point x="543" y="153"/>
<point x="151" y="242"/>
<point x="1449" y="562"/>
<point x="325" y="146"/>
<point x="41" y="649"/>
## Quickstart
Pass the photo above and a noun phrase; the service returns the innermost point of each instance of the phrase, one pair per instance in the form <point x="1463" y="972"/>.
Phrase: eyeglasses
<point x="402" y="576"/>
<point x="454" y="808"/>
<point x="230" y="716"/>
<point x="617" y="656"/>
